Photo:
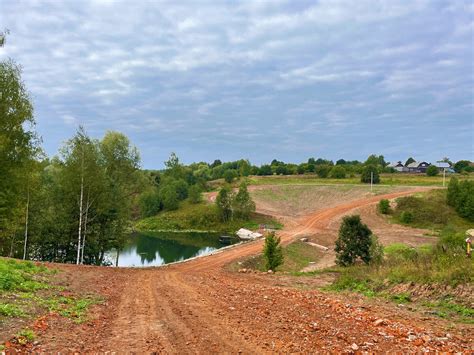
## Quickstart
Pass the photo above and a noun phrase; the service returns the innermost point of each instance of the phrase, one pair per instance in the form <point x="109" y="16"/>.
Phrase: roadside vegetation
<point x="28" y="290"/>
<point x="439" y="277"/>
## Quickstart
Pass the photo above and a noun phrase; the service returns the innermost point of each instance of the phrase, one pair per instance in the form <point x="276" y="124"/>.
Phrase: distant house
<point x="398" y="166"/>
<point x="441" y="165"/>
<point x="418" y="167"/>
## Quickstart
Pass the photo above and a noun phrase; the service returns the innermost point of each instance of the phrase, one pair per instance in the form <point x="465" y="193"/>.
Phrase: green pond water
<point x="159" y="248"/>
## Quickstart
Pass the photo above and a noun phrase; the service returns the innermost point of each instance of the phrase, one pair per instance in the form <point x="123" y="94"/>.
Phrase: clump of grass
<point x="69" y="307"/>
<point x="25" y="336"/>
<point x="10" y="310"/>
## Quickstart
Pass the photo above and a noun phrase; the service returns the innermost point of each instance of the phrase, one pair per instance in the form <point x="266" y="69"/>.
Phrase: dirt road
<point x="199" y="307"/>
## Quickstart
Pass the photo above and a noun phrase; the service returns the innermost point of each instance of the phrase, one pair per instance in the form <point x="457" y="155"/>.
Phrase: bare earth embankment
<point x="198" y="306"/>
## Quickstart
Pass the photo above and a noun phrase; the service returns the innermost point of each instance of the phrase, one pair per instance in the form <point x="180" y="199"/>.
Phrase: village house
<point x="398" y="166"/>
<point x="418" y="167"/>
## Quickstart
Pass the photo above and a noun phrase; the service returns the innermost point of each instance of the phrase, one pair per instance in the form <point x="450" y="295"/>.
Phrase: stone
<point x="380" y="322"/>
<point x="354" y="347"/>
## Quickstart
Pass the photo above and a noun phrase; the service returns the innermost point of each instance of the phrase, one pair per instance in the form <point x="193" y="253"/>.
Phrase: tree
<point x="409" y="161"/>
<point x="150" y="203"/>
<point x="18" y="144"/>
<point x="376" y="160"/>
<point x="230" y="175"/>
<point x="432" y="170"/>
<point x="272" y="252"/>
<point x="354" y="241"/>
<point x="195" y="194"/>
<point x="461" y="165"/>
<point x="323" y="170"/>
<point x="265" y="170"/>
<point x="367" y="174"/>
<point x="224" y="203"/>
<point x="169" y="197"/>
<point x="338" y="172"/>
<point x="242" y="203"/>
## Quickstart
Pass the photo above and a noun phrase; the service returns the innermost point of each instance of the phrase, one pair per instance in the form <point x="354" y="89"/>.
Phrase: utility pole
<point x="444" y="176"/>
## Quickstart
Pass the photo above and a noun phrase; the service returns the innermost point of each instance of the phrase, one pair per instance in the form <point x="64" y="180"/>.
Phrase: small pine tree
<point x="272" y="252"/>
<point x="224" y="203"/>
<point x="354" y="241"/>
<point x="242" y="203"/>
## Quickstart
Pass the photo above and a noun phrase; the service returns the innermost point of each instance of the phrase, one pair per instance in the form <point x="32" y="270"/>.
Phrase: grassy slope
<point x="198" y="217"/>
<point x="297" y="255"/>
<point x="28" y="290"/>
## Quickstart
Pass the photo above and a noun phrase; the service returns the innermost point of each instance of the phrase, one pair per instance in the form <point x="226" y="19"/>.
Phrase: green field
<point x="385" y="179"/>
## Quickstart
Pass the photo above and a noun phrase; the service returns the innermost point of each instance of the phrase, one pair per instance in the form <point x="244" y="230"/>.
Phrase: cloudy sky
<point x="253" y="79"/>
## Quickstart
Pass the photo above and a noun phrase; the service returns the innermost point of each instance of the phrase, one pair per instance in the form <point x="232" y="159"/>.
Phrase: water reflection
<point x="154" y="249"/>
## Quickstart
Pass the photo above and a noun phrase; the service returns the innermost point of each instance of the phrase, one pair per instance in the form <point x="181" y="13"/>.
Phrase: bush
<point x="169" y="197"/>
<point x="322" y="170"/>
<point x="150" y="203"/>
<point x="194" y="194"/>
<point x="366" y="174"/>
<point x="354" y="241"/>
<point x="432" y="170"/>
<point x="406" y="217"/>
<point x="376" y="251"/>
<point x="272" y="252"/>
<point x="384" y="206"/>
<point x="230" y="175"/>
<point x="461" y="197"/>
<point x="338" y="172"/>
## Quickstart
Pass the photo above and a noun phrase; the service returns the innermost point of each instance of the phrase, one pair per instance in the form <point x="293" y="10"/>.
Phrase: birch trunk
<point x="79" y="238"/>
<point x="26" y="223"/>
<point x="85" y="228"/>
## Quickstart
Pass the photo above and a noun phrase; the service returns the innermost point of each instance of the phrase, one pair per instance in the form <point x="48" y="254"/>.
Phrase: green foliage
<point x="409" y="161"/>
<point x="367" y="172"/>
<point x="20" y="276"/>
<point x="26" y="336"/>
<point x="384" y="206"/>
<point x="195" y="194"/>
<point x="376" y="251"/>
<point x="150" y="203"/>
<point x="199" y="217"/>
<point x="354" y="241"/>
<point x="338" y="172"/>
<point x="169" y="197"/>
<point x="323" y="170"/>
<point x="406" y="217"/>
<point x="461" y="165"/>
<point x="10" y="310"/>
<point x="432" y="170"/>
<point x="224" y="203"/>
<point x="242" y="203"/>
<point x="229" y="176"/>
<point x="461" y="197"/>
<point x="272" y="252"/>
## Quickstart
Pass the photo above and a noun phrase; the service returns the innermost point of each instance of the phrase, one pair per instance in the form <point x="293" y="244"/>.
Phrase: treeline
<point x="461" y="197"/>
<point x="72" y="208"/>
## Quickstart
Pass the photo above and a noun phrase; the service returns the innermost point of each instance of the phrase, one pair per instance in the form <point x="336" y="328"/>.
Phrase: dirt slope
<point x="197" y="306"/>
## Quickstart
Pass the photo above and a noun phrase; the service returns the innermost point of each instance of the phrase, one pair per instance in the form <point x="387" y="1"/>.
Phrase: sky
<point x="261" y="80"/>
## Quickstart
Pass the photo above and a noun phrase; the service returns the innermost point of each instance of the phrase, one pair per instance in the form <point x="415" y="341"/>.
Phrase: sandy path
<point x="197" y="307"/>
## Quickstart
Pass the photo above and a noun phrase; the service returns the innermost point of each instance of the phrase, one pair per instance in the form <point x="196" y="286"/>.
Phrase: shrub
<point x="406" y="217"/>
<point x="338" y="172"/>
<point x="432" y="170"/>
<point x="230" y="175"/>
<point x="150" y="203"/>
<point x="384" y="206"/>
<point x="272" y="252"/>
<point x="194" y="194"/>
<point x="354" y="241"/>
<point x="169" y="197"/>
<point x="366" y="174"/>
<point x="322" y="170"/>
<point x="376" y="251"/>
<point x="461" y="197"/>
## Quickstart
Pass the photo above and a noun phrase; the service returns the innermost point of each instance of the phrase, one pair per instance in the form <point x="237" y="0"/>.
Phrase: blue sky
<point x="251" y="79"/>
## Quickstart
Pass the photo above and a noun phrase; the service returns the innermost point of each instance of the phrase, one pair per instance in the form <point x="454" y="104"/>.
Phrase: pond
<point x="159" y="248"/>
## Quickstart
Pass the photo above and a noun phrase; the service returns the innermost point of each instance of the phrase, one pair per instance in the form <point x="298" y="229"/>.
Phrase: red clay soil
<point x="199" y="307"/>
